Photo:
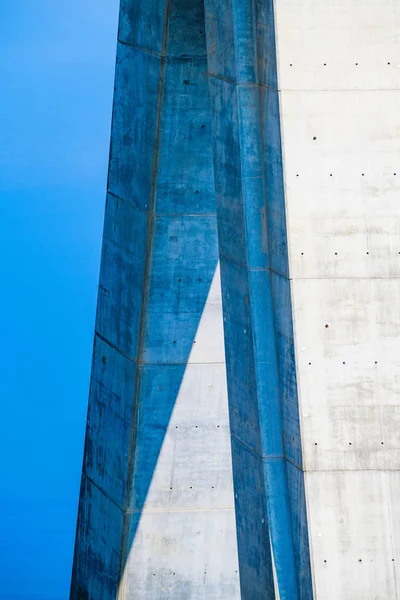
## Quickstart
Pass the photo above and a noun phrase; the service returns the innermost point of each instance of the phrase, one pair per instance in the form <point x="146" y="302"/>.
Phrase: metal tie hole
<point x="326" y="326"/>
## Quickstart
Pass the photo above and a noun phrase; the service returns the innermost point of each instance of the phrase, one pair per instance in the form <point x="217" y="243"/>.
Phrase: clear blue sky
<point x="57" y="68"/>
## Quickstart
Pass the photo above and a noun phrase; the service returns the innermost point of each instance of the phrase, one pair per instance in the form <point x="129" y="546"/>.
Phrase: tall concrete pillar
<point x="156" y="516"/>
<point x="261" y="136"/>
<point x="266" y="440"/>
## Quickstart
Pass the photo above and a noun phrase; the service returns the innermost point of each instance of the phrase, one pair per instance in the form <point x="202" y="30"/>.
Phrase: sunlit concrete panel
<point x="182" y="537"/>
<point x="339" y="80"/>
<point x="338" y="44"/>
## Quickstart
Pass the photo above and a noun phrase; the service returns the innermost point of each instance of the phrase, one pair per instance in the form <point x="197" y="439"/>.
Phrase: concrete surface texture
<point x="253" y="151"/>
<point x="339" y="79"/>
<point x="157" y="515"/>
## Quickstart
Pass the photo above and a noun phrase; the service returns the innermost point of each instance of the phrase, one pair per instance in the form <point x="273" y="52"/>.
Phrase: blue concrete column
<point x="266" y="442"/>
<point x="158" y="261"/>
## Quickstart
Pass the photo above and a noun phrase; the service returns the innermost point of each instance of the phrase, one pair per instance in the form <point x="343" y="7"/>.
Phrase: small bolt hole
<point x="326" y="326"/>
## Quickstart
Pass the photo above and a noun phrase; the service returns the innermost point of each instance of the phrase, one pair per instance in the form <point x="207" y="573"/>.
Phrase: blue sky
<point x="57" y="68"/>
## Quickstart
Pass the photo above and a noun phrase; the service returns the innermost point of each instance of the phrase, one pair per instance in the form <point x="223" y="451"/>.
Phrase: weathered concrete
<point x="339" y="80"/>
<point x="156" y="513"/>
<point x="276" y="123"/>
<point x="270" y="503"/>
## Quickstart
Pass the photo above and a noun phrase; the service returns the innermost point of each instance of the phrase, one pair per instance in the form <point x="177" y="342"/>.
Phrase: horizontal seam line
<point x="163" y="56"/>
<point x="152" y="511"/>
<point x="155" y="364"/>
<point x="153" y="214"/>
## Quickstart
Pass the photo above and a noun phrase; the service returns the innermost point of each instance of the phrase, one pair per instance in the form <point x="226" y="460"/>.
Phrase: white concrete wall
<point x="339" y="76"/>
<point x="185" y="543"/>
